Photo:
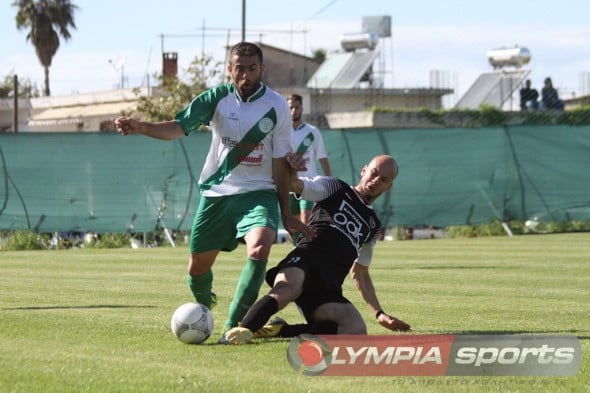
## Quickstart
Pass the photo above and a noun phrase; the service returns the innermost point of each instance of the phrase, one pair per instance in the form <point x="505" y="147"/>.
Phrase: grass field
<point x="98" y="320"/>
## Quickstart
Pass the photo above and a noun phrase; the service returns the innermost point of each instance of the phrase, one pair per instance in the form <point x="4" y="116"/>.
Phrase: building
<point x="286" y="70"/>
<point x="7" y="113"/>
<point x="340" y="84"/>
<point x="85" y="112"/>
<point x="576" y="102"/>
<point x="346" y="87"/>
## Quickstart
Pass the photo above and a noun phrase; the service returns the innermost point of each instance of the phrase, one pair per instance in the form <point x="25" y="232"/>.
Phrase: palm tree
<point x="42" y="18"/>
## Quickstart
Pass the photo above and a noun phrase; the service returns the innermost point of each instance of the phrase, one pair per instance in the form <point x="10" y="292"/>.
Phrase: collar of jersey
<point x="259" y="93"/>
<point x="300" y="127"/>
<point x="358" y="194"/>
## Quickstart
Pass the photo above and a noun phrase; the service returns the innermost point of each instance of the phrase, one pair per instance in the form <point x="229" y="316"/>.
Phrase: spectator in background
<point x="529" y="97"/>
<point x="549" y="97"/>
<point x="306" y="141"/>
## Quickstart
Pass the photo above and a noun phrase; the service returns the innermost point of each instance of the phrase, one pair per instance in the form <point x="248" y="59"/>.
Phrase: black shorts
<point x="319" y="286"/>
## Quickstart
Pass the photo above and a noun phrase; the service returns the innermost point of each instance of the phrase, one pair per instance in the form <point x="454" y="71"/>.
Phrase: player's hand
<point x="296" y="161"/>
<point x="294" y="226"/>
<point x="126" y="125"/>
<point x="392" y="323"/>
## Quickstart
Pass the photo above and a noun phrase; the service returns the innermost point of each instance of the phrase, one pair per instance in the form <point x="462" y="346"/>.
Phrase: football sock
<point x="259" y="313"/>
<point x="247" y="289"/>
<point x="200" y="286"/>
<point x="320" y="327"/>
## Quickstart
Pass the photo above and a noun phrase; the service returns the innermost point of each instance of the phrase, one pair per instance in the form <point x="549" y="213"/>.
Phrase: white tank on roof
<point x="352" y="41"/>
<point x="516" y="56"/>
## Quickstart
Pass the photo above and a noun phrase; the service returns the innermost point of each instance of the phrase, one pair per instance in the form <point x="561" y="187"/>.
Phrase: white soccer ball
<point x="192" y="323"/>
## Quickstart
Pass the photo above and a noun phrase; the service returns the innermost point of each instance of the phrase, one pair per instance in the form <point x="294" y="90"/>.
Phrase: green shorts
<point x="221" y="222"/>
<point x="296" y="205"/>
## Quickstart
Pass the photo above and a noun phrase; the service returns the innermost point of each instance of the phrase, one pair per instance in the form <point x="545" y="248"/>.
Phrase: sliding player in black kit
<point x="346" y="229"/>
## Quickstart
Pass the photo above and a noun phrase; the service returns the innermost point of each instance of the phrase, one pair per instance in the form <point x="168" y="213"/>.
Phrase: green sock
<point x="246" y="294"/>
<point x="200" y="286"/>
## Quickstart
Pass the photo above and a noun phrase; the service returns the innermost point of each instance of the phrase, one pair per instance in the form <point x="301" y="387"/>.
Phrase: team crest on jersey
<point x="372" y="223"/>
<point x="266" y="125"/>
<point x="307" y="142"/>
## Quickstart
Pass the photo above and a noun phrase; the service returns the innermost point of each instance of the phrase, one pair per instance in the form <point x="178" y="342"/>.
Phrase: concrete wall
<point x="285" y="69"/>
<point x="7" y="113"/>
<point x="388" y="120"/>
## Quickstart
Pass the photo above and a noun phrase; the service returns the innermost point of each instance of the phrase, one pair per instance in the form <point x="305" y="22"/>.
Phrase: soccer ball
<point x="192" y="323"/>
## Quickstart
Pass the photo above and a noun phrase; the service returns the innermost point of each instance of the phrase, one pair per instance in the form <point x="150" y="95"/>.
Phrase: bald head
<point x="377" y="177"/>
<point x="388" y="163"/>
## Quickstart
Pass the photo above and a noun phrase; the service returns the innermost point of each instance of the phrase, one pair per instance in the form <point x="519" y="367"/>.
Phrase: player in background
<point x="312" y="274"/>
<point x="307" y="141"/>
<point x="244" y="173"/>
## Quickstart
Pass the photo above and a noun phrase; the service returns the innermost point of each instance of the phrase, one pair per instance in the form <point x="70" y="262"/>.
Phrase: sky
<point x="448" y="38"/>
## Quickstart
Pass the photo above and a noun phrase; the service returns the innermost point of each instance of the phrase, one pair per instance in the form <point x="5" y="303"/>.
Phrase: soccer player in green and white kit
<point x="244" y="173"/>
<point x="307" y="141"/>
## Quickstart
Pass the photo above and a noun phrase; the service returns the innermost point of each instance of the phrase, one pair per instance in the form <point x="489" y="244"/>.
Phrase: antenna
<point x="119" y="65"/>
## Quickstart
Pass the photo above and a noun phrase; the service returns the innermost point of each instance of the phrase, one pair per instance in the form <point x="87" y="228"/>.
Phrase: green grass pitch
<point x="98" y="320"/>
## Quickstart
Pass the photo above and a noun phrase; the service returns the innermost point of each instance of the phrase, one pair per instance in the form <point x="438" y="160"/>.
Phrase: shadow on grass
<point x="443" y="267"/>
<point x="33" y="308"/>
<point x="462" y="333"/>
<point x="501" y="332"/>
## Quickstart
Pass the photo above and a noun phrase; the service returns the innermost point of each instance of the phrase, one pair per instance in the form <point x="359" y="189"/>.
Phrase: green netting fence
<point x="103" y="182"/>
<point x="457" y="176"/>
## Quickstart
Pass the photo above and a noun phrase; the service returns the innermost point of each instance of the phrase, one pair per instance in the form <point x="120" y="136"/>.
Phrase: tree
<point x="42" y="18"/>
<point x="26" y="88"/>
<point x="319" y="55"/>
<point x="175" y="94"/>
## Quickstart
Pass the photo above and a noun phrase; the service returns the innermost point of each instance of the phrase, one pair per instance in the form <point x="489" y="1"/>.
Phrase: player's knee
<point x="196" y="270"/>
<point x="352" y="327"/>
<point x="284" y="292"/>
<point x="349" y="320"/>
<point x="259" y="252"/>
<point x="259" y="249"/>
<point x="199" y="264"/>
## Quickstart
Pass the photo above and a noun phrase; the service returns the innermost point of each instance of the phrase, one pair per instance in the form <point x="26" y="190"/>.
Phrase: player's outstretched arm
<point x="364" y="285"/>
<point x="165" y="130"/>
<point x="296" y="161"/>
<point x="392" y="323"/>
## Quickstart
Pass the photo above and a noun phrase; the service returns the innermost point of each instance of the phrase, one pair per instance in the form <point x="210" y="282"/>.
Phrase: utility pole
<point x="243" y="20"/>
<point x="15" y="106"/>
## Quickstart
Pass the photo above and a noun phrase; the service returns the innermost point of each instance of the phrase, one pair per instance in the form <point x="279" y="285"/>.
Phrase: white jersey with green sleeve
<point x="246" y="136"/>
<point x="307" y="140"/>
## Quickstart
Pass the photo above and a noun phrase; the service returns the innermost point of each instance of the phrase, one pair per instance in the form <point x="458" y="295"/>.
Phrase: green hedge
<point x="518" y="228"/>
<point x="488" y="115"/>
